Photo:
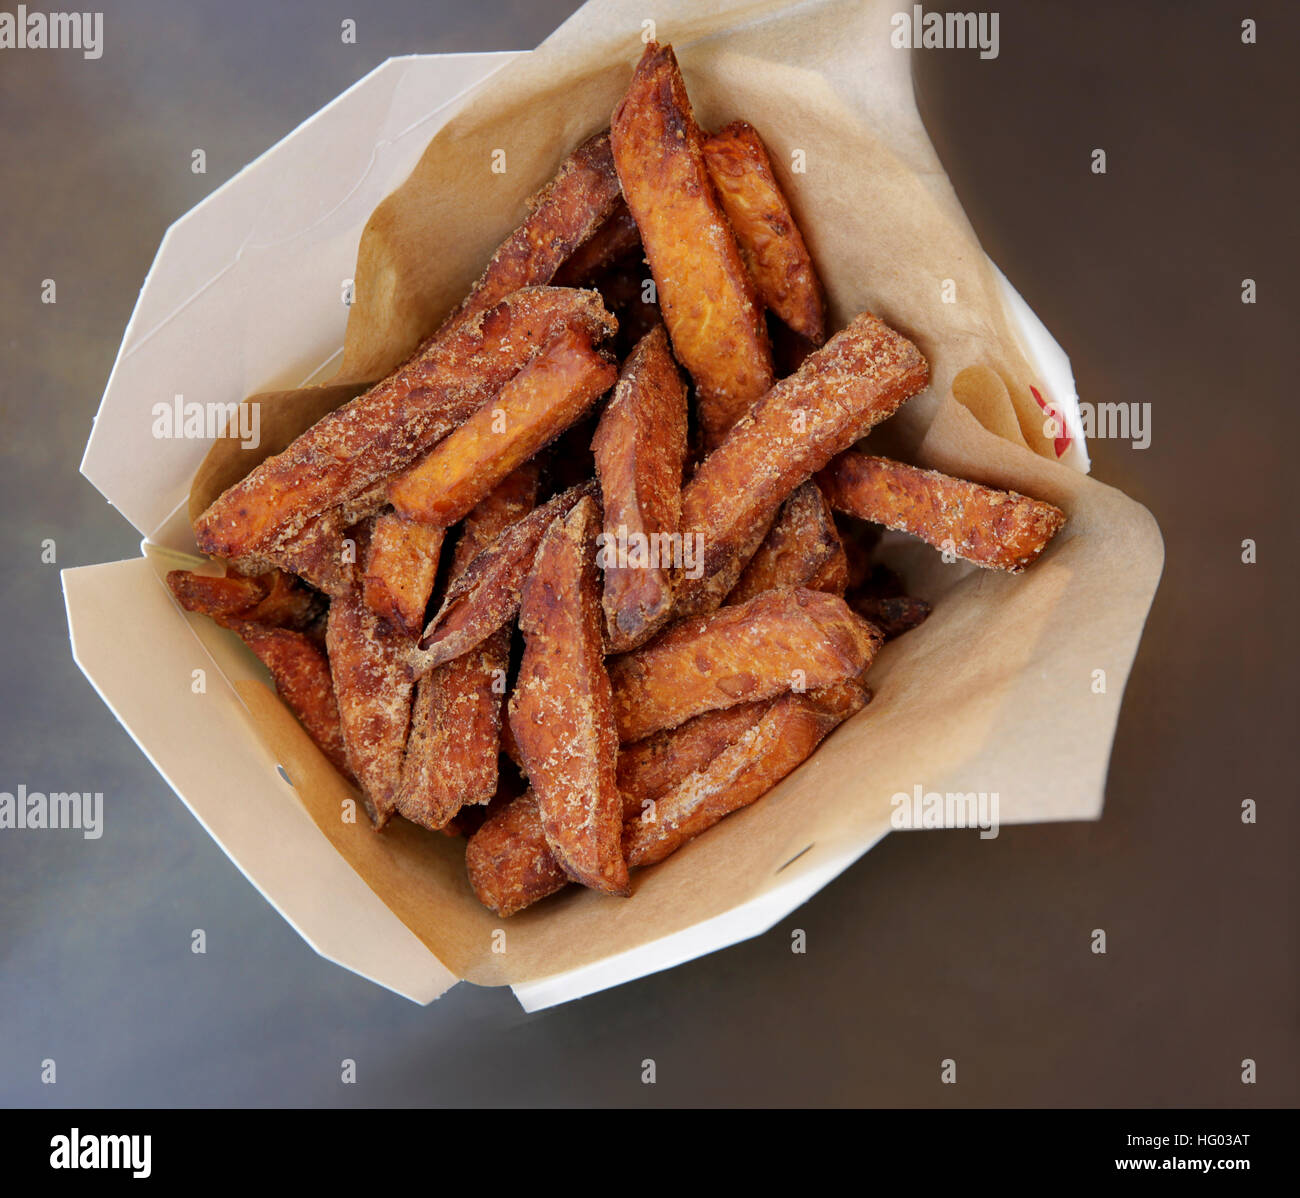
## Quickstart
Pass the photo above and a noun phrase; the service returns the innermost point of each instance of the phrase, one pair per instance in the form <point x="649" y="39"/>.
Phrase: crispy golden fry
<point x="705" y="292"/>
<point x="561" y="711"/>
<point x="370" y="662"/>
<point x="647" y="768"/>
<point x="451" y="755"/>
<point x="640" y="448"/>
<point x="892" y="614"/>
<point x="394" y="423"/>
<point x="1000" y="530"/>
<point x="793" y="639"/>
<point x="275" y="598"/>
<point x="509" y="862"/>
<point x="325" y="552"/>
<point x="801" y="549"/>
<point x="783" y="738"/>
<point x="566" y="214"/>
<point x="616" y="239"/>
<point x="770" y="242"/>
<point x="861" y="376"/>
<point x="532" y="409"/>
<point x="732" y="758"/>
<point x="400" y="566"/>
<point x="301" y="675"/>
<point x="486" y="595"/>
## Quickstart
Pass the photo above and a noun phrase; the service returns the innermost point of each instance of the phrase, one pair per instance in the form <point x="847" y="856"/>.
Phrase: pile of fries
<point x="660" y="594"/>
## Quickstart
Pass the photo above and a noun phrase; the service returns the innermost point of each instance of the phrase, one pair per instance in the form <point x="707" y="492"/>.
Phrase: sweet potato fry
<point x="275" y="598"/>
<point x="704" y="290"/>
<point x="451" y="754"/>
<point x="793" y="639"/>
<point x="858" y="378"/>
<point x="733" y="758"/>
<point x="783" y="738"/>
<point x="801" y="549"/>
<point x="540" y="402"/>
<point x="400" y="566"/>
<point x="394" y="423"/>
<point x="616" y="239"/>
<point x="1000" y="530"/>
<point x="486" y="595"/>
<point x="561" y="711"/>
<point x="640" y="448"/>
<point x="770" y="243"/>
<point x="370" y="663"/>
<point x="892" y="614"/>
<point x="509" y="861"/>
<point x="567" y="213"/>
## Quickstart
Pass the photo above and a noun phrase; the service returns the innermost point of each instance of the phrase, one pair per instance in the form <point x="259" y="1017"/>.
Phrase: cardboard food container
<point x="318" y="268"/>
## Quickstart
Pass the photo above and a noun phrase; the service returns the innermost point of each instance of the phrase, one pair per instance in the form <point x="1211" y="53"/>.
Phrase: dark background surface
<point x="936" y="945"/>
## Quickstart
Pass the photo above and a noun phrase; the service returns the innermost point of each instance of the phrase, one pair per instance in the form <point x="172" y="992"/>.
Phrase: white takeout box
<point x="246" y="294"/>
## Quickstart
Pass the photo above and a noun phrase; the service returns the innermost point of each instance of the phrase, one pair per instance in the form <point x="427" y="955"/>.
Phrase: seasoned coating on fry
<point x="394" y="423"/>
<point x="705" y="292"/>
<point x="892" y="614"/>
<point x="687" y="787"/>
<point x="783" y="738"/>
<point x="325" y="551"/>
<point x="770" y="243"/>
<point x="561" y="710"/>
<point x="486" y="595"/>
<point x="777" y="641"/>
<point x="1000" y="530"/>
<point x="302" y="679"/>
<point x="640" y="448"/>
<point x="547" y="396"/>
<point x="647" y="768"/>
<point x="567" y="213"/>
<point x="451" y="754"/>
<point x="370" y="664"/>
<point x="399" y="569"/>
<point x="858" y="378"/>
<point x="510" y="864"/>
<point x="801" y="549"/>
<point x="274" y="598"/>
<point x="616" y="239"/>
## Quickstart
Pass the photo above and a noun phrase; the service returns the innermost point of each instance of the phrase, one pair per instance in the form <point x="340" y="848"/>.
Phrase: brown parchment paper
<point x="996" y="693"/>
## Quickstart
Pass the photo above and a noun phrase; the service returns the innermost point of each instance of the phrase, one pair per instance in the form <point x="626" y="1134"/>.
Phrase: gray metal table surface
<point x="932" y="947"/>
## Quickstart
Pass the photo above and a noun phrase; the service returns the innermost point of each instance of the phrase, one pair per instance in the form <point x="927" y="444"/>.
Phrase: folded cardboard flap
<point x="992" y="694"/>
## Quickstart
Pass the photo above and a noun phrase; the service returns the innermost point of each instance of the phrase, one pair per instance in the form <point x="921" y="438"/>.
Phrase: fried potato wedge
<point x="704" y="291"/>
<point x="370" y="663"/>
<point x="781" y="739"/>
<point x="547" y="396"/>
<point x="509" y="861"/>
<point x="399" y="570"/>
<point x="732" y="758"/>
<point x="275" y="599"/>
<point x="793" y="639"/>
<point x="801" y="549"/>
<point x="640" y="449"/>
<point x="561" y="711"/>
<point x="394" y="423"/>
<point x="616" y="239"/>
<point x="455" y="739"/>
<point x="770" y="243"/>
<point x="859" y="377"/>
<point x="301" y="674"/>
<point x="1000" y="530"/>
<point x="892" y="614"/>
<point x="486" y="596"/>
<point x="566" y="214"/>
